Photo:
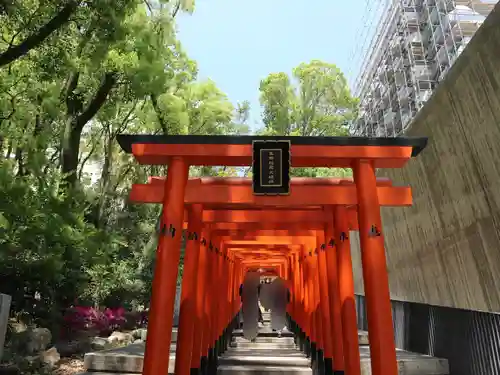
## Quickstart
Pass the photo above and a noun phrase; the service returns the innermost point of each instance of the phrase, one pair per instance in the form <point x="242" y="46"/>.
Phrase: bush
<point x="88" y="319"/>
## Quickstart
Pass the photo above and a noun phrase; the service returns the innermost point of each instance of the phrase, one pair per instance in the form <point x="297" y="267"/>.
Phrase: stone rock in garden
<point x="50" y="356"/>
<point x="38" y="340"/>
<point x="100" y="343"/>
<point x="137" y="341"/>
<point x="139" y="333"/>
<point x="68" y="348"/>
<point x="121" y="338"/>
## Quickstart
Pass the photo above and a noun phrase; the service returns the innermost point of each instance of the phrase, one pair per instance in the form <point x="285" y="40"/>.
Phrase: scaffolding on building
<point x="416" y="44"/>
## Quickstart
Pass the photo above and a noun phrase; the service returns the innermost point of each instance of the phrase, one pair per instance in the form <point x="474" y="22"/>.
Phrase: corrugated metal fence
<point x="469" y="340"/>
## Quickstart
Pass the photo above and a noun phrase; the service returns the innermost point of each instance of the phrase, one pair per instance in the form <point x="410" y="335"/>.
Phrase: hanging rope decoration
<point x="189" y="236"/>
<point x="374" y="232"/>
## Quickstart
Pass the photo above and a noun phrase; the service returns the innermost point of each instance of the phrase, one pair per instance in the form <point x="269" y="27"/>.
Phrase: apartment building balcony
<point x="399" y="78"/>
<point x="442" y="55"/>
<point x="437" y="36"/>
<point x="405" y="93"/>
<point x="422" y="96"/>
<point x="410" y="18"/>
<point x="483" y="7"/>
<point x="463" y="17"/>
<point x="422" y="72"/>
<point x="401" y="62"/>
<point x="394" y="49"/>
<point x="389" y="117"/>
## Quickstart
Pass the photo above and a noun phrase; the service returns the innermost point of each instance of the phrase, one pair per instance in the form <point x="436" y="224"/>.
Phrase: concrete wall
<point x="445" y="250"/>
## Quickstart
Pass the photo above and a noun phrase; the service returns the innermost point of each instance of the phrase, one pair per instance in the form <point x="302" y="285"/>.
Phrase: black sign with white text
<point x="271" y="167"/>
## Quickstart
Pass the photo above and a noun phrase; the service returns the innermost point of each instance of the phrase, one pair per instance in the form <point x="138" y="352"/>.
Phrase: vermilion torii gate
<point x="363" y="155"/>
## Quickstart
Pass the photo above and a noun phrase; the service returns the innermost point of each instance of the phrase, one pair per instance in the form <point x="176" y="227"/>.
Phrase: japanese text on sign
<point x="271" y="170"/>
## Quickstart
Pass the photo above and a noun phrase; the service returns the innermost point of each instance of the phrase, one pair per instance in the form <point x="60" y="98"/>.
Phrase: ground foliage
<point x="73" y="75"/>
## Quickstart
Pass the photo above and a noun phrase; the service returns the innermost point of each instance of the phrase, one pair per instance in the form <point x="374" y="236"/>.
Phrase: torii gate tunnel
<point x="303" y="237"/>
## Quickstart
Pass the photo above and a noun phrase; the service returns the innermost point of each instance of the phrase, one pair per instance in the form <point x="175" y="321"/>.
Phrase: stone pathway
<point x="269" y="354"/>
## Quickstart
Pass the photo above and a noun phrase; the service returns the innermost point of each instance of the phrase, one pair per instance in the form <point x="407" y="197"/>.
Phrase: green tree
<point x="107" y="68"/>
<point x="314" y="101"/>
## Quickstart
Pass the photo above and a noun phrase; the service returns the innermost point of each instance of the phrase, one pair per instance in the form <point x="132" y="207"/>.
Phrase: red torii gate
<point x="142" y="193"/>
<point x="363" y="155"/>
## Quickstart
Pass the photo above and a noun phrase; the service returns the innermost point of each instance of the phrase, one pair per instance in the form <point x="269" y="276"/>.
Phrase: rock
<point x="121" y="337"/>
<point x="137" y="341"/>
<point x="30" y="341"/>
<point x="38" y="340"/>
<point x="100" y="343"/>
<point x="69" y="348"/>
<point x="139" y="333"/>
<point x="50" y="356"/>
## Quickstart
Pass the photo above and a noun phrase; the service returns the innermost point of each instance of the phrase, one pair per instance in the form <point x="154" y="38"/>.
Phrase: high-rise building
<point x="415" y="44"/>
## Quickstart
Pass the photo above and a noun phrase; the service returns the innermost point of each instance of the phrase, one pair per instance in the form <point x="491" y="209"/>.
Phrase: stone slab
<point x="128" y="359"/>
<point x="263" y="345"/>
<point x="264" y="332"/>
<point x="408" y="363"/>
<point x="264" y="339"/>
<point x="363" y="337"/>
<point x="291" y="352"/>
<point x="263" y="370"/>
<point x="271" y="359"/>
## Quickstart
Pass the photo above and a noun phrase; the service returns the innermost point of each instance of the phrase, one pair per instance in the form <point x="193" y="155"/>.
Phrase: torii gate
<point x="363" y="155"/>
<point x="150" y="193"/>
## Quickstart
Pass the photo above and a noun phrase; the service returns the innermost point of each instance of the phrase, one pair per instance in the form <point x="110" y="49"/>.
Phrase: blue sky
<point x="239" y="42"/>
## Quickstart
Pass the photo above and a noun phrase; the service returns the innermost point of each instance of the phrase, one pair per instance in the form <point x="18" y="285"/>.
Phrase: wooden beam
<point x="302" y="155"/>
<point x="299" y="196"/>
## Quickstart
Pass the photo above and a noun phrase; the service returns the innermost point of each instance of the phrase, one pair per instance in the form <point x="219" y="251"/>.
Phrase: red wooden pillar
<point x="346" y="292"/>
<point x="318" y="322"/>
<point x="376" y="281"/>
<point x="208" y="303"/>
<point x="156" y="355"/>
<point x="335" y="310"/>
<point x="230" y="286"/>
<point x="199" y="330"/>
<point x="214" y="299"/>
<point x="328" y="339"/>
<point x="187" y="311"/>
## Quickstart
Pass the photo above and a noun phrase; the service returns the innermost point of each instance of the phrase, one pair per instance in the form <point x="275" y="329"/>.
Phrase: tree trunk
<point x="70" y="151"/>
<point x="75" y="122"/>
<point x="61" y="18"/>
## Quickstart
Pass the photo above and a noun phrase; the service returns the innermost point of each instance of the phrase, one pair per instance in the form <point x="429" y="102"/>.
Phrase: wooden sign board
<point x="271" y="167"/>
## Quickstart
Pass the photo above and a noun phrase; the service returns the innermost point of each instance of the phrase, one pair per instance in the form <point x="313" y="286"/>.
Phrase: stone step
<point x="264" y="332"/>
<point x="263" y="346"/>
<point x="363" y="337"/>
<point x="268" y="339"/>
<point x="270" y="359"/>
<point x="129" y="360"/>
<point x="290" y="352"/>
<point x="263" y="370"/>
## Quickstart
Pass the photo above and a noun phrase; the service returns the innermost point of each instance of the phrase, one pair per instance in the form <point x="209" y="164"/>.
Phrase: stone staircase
<point x="268" y="354"/>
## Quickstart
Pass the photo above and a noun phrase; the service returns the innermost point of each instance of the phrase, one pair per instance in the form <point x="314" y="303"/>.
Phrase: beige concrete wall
<point x="445" y="250"/>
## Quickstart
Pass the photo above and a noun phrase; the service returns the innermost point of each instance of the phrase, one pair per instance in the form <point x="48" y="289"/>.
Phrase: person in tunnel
<point x="281" y="298"/>
<point x="261" y="318"/>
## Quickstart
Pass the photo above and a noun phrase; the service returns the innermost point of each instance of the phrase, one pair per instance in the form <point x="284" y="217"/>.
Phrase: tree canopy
<point x="314" y="101"/>
<point x="73" y="75"/>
